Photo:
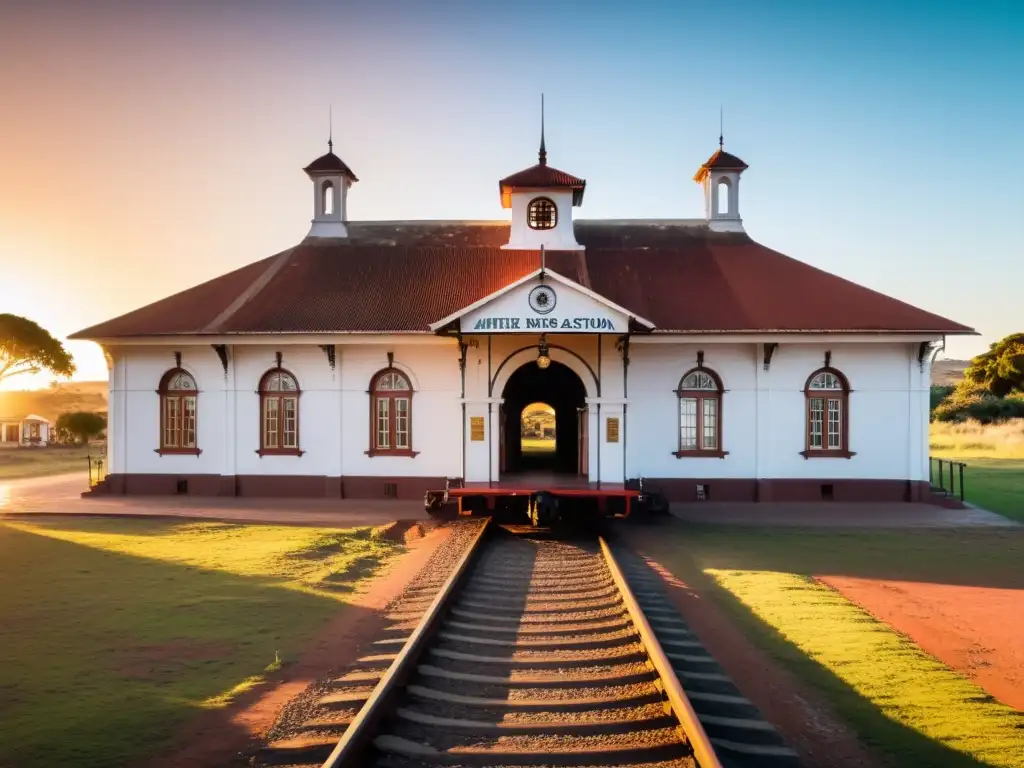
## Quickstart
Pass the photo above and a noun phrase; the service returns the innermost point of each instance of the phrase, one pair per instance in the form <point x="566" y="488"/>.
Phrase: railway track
<point x="537" y="652"/>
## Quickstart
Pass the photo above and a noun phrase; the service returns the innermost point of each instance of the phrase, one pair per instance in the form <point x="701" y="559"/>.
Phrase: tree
<point x="81" y="425"/>
<point x="999" y="371"/>
<point x="25" y="347"/>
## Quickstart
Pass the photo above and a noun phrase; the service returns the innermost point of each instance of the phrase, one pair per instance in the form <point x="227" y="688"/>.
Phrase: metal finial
<point x="720" y="132"/>
<point x="330" y="127"/>
<point x="543" y="154"/>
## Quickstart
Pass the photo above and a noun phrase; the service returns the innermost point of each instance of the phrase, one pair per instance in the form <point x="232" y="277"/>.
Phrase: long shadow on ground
<point x="105" y="656"/>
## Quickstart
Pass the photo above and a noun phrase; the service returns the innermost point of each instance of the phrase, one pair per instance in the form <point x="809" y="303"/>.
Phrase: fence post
<point x="942" y="475"/>
<point x="88" y="458"/>
<point x="962" y="465"/>
<point x="931" y="476"/>
<point x="952" y="481"/>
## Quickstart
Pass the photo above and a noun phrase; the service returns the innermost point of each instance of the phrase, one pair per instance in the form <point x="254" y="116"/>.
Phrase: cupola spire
<point x="542" y="156"/>
<point x="330" y="128"/>
<point x="720" y="177"/>
<point x="542" y="199"/>
<point x="331" y="179"/>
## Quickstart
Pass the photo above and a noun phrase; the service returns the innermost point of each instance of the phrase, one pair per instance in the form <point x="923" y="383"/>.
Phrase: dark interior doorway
<point x="556" y="386"/>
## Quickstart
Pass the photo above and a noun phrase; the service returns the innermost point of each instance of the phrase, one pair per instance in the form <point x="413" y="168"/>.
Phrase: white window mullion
<point x="383" y="423"/>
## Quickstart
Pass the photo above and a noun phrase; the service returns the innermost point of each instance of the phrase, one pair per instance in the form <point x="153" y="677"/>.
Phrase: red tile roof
<point x="721" y="160"/>
<point x="330" y="163"/>
<point x="543" y="175"/>
<point x="403" y="277"/>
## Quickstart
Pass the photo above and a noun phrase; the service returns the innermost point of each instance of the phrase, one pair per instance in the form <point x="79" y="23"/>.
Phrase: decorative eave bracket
<point x="331" y="351"/>
<point x="622" y="345"/>
<point x="222" y="354"/>
<point x="769" y="350"/>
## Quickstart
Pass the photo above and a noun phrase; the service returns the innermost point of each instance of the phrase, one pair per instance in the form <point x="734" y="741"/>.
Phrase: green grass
<point x="993" y="484"/>
<point x="538" y="445"/>
<point x="994" y="454"/>
<point x="116" y="632"/>
<point x="898" y="699"/>
<point x="17" y="463"/>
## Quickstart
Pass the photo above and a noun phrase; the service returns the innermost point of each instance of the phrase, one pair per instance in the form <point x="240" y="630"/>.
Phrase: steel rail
<point x="703" y="750"/>
<point x="361" y="731"/>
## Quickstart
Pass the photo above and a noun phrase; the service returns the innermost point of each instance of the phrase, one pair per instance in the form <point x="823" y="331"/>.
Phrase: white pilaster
<point x="230" y="417"/>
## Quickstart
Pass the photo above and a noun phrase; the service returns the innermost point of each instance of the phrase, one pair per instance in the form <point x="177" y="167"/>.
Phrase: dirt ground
<point x="216" y="737"/>
<point x="802" y="716"/>
<point x="974" y="630"/>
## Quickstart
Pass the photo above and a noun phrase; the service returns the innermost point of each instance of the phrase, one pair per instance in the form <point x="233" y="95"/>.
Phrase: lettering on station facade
<point x="596" y="324"/>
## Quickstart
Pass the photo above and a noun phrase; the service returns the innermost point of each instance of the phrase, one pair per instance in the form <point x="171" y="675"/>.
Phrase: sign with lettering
<point x="612" y="429"/>
<point x="595" y="324"/>
<point x="545" y="307"/>
<point x="476" y="429"/>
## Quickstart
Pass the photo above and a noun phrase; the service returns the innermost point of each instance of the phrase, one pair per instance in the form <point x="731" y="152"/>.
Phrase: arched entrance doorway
<point x="533" y="441"/>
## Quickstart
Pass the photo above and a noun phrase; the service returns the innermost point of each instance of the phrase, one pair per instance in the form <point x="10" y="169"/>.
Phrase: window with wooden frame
<point x="279" y="414"/>
<point x="178" y="398"/>
<point x="827" y="415"/>
<point x="541" y="213"/>
<point x="391" y="414"/>
<point x="700" y="415"/>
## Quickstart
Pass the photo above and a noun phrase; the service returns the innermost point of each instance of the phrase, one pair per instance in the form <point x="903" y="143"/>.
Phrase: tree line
<point x="992" y="388"/>
<point x="27" y="348"/>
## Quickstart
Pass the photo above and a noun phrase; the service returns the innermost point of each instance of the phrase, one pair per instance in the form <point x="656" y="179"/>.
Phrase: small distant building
<point x="22" y="430"/>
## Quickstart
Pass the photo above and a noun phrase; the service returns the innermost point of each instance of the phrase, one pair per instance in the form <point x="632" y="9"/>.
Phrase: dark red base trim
<point x="271" y="486"/>
<point x="732" y="489"/>
<point x="363" y="487"/>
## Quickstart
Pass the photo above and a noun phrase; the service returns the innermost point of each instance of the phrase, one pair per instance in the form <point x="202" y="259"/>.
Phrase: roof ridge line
<point x="257" y="285"/>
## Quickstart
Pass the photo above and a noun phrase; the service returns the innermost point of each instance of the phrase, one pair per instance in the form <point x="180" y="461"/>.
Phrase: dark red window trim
<point x="391" y="395"/>
<point x="700" y="395"/>
<point x="181" y="394"/>
<point x="843" y="396"/>
<point x="549" y="221"/>
<point x="266" y="395"/>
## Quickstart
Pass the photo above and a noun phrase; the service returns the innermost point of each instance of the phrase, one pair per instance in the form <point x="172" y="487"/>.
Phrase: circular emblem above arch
<point x="542" y="299"/>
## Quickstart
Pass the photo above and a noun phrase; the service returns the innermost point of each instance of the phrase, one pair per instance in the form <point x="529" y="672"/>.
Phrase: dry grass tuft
<point x="973" y="439"/>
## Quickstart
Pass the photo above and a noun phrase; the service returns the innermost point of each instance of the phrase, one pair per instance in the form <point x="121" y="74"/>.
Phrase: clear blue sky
<point x="885" y="139"/>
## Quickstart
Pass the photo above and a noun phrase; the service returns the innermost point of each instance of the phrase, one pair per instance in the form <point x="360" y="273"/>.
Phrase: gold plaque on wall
<point x="476" y="429"/>
<point x="612" y="429"/>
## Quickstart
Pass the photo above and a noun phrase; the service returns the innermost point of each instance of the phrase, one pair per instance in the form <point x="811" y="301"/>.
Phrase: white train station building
<point x="378" y="359"/>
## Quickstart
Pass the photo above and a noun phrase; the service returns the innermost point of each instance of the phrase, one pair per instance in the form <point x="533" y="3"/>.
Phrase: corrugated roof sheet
<point x="543" y="176"/>
<point x="721" y="160"/>
<point x="403" y="276"/>
<point x="330" y="163"/>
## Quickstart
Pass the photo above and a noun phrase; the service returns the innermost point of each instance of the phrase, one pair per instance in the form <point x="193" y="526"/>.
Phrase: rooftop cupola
<point x="331" y="179"/>
<point x="542" y="199"/>
<point x="720" y="176"/>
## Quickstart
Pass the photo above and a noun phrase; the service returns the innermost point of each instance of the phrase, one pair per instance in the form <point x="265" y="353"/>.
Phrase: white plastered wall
<point x="333" y="410"/>
<point x="562" y="237"/>
<point x="764" y="411"/>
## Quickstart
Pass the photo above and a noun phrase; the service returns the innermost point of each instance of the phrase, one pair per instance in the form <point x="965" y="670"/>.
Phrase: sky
<point x="147" y="147"/>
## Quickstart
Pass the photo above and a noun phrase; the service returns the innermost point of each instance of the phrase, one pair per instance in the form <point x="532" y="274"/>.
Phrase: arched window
<point x="327" y="203"/>
<point x="391" y="414"/>
<point x="279" y="414"/>
<point x="827" y="392"/>
<point x="700" y="414"/>
<point x="178" y="393"/>
<point x="541" y="213"/>
<point x="723" y="197"/>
